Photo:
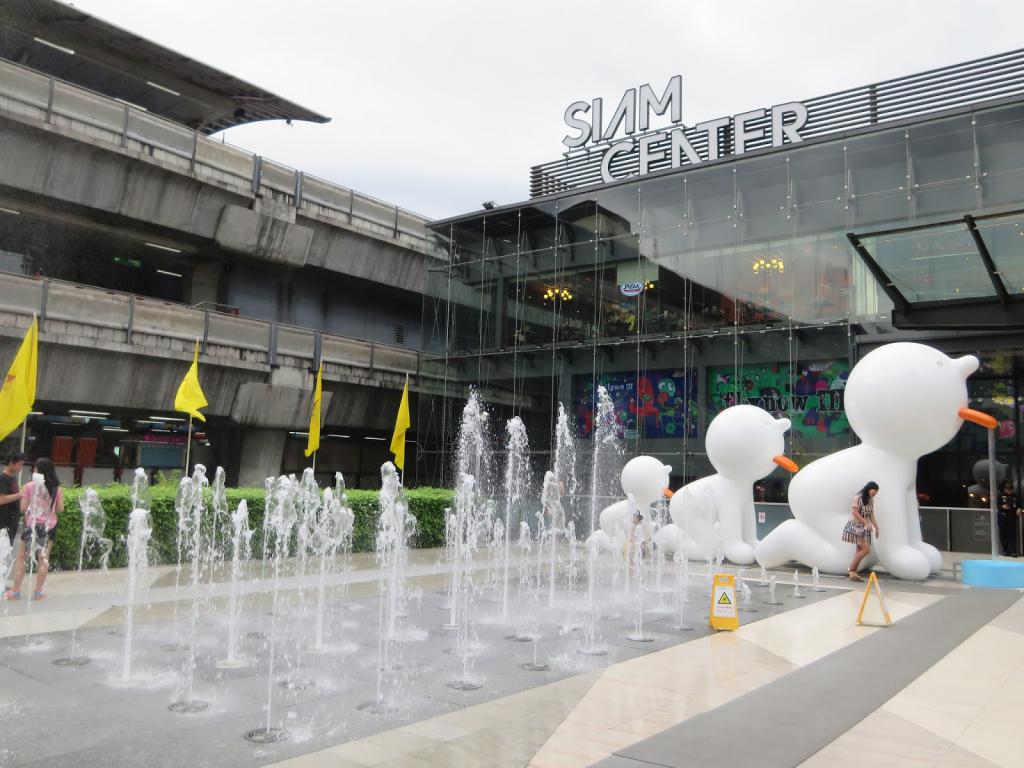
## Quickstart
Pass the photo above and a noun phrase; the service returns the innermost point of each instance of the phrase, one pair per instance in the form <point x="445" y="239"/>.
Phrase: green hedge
<point x="427" y="504"/>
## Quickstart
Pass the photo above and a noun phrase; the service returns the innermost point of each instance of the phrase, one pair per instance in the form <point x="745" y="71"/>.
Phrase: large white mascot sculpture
<point x="744" y="443"/>
<point x="903" y="401"/>
<point x="644" y="481"/>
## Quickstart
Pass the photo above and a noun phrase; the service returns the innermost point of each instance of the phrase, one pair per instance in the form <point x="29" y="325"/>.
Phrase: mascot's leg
<point x="665" y="539"/>
<point x="699" y="541"/>
<point x="932" y="555"/>
<point x="739" y="553"/>
<point x="794" y="540"/>
<point x="903" y="562"/>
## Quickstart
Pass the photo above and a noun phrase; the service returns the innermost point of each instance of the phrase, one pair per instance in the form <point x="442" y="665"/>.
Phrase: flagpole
<point x="188" y="445"/>
<point x="24" y="429"/>
<point x="405" y="441"/>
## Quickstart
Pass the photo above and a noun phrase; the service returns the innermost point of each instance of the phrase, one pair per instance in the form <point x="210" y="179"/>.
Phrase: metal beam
<point x="986" y="258"/>
<point x="898" y="299"/>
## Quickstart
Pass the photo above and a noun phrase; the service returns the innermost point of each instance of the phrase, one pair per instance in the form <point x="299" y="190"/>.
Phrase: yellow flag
<point x="18" y="392"/>
<point x="402" y="423"/>
<point x="190" y="397"/>
<point x="313" y="441"/>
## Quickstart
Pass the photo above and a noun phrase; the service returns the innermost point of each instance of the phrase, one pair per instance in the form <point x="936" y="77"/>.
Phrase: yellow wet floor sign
<point x="873" y="582"/>
<point x="723" y="613"/>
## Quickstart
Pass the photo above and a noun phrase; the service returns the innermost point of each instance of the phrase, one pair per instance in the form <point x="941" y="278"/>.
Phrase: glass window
<point x="932" y="264"/>
<point x="1004" y="238"/>
<point x="878" y="178"/>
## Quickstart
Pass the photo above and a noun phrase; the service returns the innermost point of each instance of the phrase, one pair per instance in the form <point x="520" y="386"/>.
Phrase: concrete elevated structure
<point x="126" y="354"/>
<point x="131" y="232"/>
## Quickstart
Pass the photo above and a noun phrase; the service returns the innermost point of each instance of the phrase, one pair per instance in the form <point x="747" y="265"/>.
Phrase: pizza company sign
<point x="631" y="289"/>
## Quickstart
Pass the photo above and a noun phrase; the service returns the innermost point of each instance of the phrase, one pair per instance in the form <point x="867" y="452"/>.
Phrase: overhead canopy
<point x="67" y="43"/>
<point x="964" y="273"/>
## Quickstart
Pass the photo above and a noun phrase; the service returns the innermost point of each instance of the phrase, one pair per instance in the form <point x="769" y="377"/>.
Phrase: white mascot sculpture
<point x="644" y="481"/>
<point x="903" y="401"/>
<point x="744" y="443"/>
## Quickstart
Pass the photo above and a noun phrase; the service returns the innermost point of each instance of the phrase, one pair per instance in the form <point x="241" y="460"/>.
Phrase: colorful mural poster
<point x="663" y="404"/>
<point x="815" y="404"/>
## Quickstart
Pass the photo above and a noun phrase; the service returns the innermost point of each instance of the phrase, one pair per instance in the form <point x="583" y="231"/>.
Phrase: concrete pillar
<point x="262" y="453"/>
<point x="205" y="282"/>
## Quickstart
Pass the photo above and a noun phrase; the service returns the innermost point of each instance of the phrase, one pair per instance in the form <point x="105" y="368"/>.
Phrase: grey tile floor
<point x="78" y="716"/>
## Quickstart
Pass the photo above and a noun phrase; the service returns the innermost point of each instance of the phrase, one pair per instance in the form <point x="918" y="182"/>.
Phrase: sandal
<point x="854" y="576"/>
<point x="10" y="594"/>
<point x="38" y="596"/>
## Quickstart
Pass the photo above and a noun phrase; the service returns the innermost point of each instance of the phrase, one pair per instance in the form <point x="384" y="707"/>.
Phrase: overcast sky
<point x="440" y="105"/>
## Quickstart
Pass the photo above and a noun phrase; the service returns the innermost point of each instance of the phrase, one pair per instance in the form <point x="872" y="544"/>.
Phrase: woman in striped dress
<point x="861" y="524"/>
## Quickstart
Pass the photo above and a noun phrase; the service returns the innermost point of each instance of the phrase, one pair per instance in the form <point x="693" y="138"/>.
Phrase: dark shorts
<point x="42" y="535"/>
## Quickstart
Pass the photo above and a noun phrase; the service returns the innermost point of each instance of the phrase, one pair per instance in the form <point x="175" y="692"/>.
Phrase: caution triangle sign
<point x="724" y="599"/>
<point x="874" y="585"/>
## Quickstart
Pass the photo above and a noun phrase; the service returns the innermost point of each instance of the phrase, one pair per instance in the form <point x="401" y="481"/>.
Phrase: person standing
<point x="41" y="516"/>
<point x="10" y="494"/>
<point x="1008" y="512"/>
<point x="860" y="526"/>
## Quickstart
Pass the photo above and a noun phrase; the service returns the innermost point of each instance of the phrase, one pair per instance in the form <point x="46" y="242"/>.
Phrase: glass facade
<point x="689" y="291"/>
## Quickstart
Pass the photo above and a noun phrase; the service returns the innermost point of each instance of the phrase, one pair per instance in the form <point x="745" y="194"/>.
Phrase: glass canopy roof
<point x="970" y="262"/>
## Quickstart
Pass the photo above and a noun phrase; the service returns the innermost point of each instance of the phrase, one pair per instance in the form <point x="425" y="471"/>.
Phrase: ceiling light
<point x="169" y="274"/>
<point x="35" y="413"/>
<point x="88" y="413"/>
<point x="165" y="418"/>
<point x="55" y="47"/>
<point x="340" y="436"/>
<point x="10" y="211"/>
<point x="114" y="429"/>
<point x="164" y="247"/>
<point x="375" y="438"/>
<point x="163" y="88"/>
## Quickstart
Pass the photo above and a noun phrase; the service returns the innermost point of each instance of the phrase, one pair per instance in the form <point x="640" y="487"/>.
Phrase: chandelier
<point x="557" y="293"/>
<point x="774" y="264"/>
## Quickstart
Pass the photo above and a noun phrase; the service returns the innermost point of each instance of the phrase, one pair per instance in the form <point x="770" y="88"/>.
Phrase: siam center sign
<point x="624" y="139"/>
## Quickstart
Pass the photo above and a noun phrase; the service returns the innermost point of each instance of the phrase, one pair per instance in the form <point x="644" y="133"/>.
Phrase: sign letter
<point x="620" y="148"/>
<point x="580" y="125"/>
<point x="791" y="129"/>
<point x="672" y="97"/>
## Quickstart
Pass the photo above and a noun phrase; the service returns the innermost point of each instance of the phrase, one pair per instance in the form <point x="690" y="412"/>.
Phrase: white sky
<point x="439" y="105"/>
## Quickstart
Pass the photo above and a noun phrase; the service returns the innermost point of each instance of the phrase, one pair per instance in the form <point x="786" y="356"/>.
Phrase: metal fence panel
<point x="157" y="132"/>
<point x="161" y="318"/>
<point x="337" y="349"/>
<point x="20" y="294"/>
<point x="88" y="306"/>
<point x="88" y="108"/>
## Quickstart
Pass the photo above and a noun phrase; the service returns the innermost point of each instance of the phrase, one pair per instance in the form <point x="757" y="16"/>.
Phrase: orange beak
<point x="977" y="417"/>
<point x="669" y="493"/>
<point x="786" y="463"/>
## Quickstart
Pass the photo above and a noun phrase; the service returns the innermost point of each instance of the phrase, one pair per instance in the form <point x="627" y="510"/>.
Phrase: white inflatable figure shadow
<point x="644" y="480"/>
<point x="744" y="444"/>
<point x="895" y="432"/>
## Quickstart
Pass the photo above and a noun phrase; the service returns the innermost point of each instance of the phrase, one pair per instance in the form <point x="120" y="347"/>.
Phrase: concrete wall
<point x="130" y="191"/>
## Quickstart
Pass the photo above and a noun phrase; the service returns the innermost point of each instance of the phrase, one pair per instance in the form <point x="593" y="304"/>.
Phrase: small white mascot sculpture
<point x="903" y="401"/>
<point x="644" y="481"/>
<point x="744" y="443"/>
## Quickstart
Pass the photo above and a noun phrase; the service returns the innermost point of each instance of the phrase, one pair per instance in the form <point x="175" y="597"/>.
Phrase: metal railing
<point x="98" y="118"/>
<point x="951" y="529"/>
<point x="132" y="319"/>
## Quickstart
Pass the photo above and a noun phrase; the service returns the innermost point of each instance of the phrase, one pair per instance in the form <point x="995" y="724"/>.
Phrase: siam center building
<point x="692" y="269"/>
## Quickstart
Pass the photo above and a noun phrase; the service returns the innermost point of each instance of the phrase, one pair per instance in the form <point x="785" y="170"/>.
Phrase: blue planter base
<point x="1001" y="574"/>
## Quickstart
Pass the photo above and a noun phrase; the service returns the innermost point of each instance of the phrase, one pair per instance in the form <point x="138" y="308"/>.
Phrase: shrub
<point x="427" y="504"/>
